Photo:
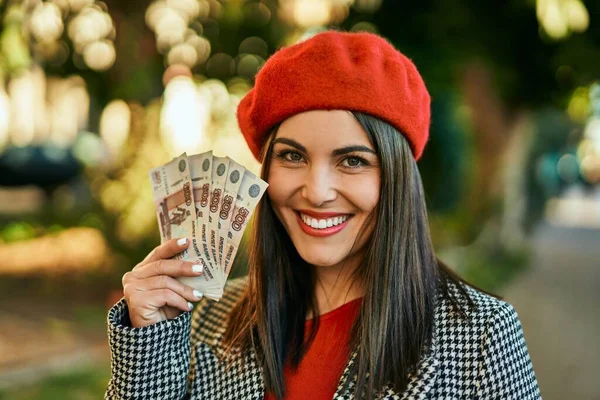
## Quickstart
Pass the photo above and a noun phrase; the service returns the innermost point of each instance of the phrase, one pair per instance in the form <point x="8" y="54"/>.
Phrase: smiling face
<point x="324" y="182"/>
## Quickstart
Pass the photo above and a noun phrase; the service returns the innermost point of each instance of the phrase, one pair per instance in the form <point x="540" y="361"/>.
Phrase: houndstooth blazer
<point x="483" y="358"/>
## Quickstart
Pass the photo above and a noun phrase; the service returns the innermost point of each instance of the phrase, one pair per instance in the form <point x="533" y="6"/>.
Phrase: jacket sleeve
<point x="151" y="362"/>
<point x="505" y="369"/>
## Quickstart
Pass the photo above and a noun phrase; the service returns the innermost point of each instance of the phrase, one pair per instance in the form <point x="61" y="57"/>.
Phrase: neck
<point x="336" y="286"/>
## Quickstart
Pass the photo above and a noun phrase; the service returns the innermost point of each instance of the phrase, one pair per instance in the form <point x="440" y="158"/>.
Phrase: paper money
<point x="251" y="191"/>
<point x="173" y="197"/>
<point x="232" y="186"/>
<point x="210" y="200"/>
<point x="219" y="177"/>
<point x="201" y="174"/>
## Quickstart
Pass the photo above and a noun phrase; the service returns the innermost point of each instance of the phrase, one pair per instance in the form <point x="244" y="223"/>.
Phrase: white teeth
<point x="322" y="223"/>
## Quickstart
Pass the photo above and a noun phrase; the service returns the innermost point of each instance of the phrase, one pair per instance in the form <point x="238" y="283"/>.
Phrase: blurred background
<point x="93" y="94"/>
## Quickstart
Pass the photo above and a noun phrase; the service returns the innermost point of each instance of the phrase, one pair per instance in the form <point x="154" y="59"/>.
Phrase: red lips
<point x="321" y="215"/>
<point x="321" y="232"/>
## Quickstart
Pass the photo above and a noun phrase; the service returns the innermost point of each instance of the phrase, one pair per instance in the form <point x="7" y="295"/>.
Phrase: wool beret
<point x="337" y="71"/>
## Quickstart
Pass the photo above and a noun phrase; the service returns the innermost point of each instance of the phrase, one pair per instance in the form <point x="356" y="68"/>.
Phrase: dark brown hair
<point x="400" y="273"/>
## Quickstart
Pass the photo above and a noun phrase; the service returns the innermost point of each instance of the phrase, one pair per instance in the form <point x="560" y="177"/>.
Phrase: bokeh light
<point x="560" y="17"/>
<point x="309" y="13"/>
<point x="184" y="116"/>
<point x="46" y="22"/>
<point x="100" y="55"/>
<point x="78" y="5"/>
<point x="90" y="25"/>
<point x="254" y="45"/>
<point x="248" y="65"/>
<point x="220" y="65"/>
<point x="115" y="122"/>
<point x="367" y="6"/>
<point x="257" y="14"/>
<point x="69" y="103"/>
<point x="568" y="168"/>
<point x="183" y="53"/>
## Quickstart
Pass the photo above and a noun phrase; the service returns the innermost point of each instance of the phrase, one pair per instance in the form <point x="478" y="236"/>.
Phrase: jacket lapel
<point x="218" y="378"/>
<point x="243" y="379"/>
<point x="419" y="384"/>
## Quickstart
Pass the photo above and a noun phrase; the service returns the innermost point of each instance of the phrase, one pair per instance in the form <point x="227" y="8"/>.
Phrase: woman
<point x="345" y="297"/>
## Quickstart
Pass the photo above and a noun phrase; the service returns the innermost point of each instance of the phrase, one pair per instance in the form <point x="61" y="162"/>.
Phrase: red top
<point x="320" y="370"/>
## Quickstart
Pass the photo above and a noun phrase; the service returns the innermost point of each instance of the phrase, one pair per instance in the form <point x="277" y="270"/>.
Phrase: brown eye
<point x="354" y="162"/>
<point x="293" y="156"/>
<point x="290" y="156"/>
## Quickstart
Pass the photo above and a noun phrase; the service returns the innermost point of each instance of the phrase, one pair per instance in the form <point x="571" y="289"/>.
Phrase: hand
<point x="150" y="289"/>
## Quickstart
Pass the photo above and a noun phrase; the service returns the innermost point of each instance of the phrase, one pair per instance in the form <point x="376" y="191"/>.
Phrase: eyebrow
<point x="336" y="152"/>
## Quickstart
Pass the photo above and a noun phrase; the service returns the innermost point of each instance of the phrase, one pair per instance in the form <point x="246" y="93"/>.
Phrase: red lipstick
<point x="309" y="230"/>
<point x="321" y="215"/>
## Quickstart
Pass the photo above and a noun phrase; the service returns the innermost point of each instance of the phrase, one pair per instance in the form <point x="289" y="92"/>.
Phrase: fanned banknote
<point x="201" y="173"/>
<point x="217" y="187"/>
<point x="172" y="192"/>
<point x="251" y="191"/>
<point x="208" y="199"/>
<point x="232" y="186"/>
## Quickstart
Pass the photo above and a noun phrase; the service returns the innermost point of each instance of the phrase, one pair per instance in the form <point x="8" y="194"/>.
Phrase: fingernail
<point x="197" y="268"/>
<point x="190" y="306"/>
<point x="182" y="241"/>
<point x="197" y="294"/>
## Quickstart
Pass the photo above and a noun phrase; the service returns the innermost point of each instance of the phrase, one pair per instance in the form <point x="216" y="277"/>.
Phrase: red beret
<point x="337" y="71"/>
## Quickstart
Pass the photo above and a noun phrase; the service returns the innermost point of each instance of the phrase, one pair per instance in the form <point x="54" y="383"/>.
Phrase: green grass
<point x="487" y="268"/>
<point x="492" y="273"/>
<point x="89" y="383"/>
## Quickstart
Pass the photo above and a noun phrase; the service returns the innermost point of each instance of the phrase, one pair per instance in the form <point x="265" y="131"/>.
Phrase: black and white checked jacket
<point x="483" y="358"/>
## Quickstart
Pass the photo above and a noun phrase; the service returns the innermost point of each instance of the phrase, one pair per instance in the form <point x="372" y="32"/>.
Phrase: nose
<point x="319" y="186"/>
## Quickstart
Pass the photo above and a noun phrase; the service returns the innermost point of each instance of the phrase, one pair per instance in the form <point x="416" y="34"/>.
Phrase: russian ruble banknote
<point x="201" y="172"/>
<point x="219" y="177"/>
<point x="232" y="186"/>
<point x="251" y="190"/>
<point x="208" y="199"/>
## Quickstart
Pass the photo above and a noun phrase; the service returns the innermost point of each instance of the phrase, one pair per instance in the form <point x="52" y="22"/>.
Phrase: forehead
<point x="324" y="129"/>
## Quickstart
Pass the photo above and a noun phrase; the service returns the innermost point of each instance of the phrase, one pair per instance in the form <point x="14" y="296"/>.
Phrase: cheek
<point x="367" y="202"/>
<point x="367" y="198"/>
<point x="280" y="186"/>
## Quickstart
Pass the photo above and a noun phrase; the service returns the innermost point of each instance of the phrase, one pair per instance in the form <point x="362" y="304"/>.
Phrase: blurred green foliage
<point x="87" y="383"/>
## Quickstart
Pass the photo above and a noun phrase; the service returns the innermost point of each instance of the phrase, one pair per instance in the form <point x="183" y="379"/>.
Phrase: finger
<point x="168" y="267"/>
<point x="167" y="249"/>
<point x="167" y="282"/>
<point x="143" y="305"/>
<point x="164" y="297"/>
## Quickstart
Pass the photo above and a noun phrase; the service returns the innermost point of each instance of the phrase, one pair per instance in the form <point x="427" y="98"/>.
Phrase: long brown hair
<point x="400" y="273"/>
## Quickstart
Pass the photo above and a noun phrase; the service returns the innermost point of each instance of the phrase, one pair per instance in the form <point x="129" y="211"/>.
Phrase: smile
<point x="319" y="227"/>
<point x="323" y="223"/>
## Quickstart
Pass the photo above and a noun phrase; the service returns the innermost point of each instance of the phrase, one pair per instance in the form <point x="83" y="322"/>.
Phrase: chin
<point x="322" y="263"/>
<point x="319" y="260"/>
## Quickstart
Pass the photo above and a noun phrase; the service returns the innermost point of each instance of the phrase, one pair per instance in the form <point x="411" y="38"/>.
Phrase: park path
<point x="558" y="302"/>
